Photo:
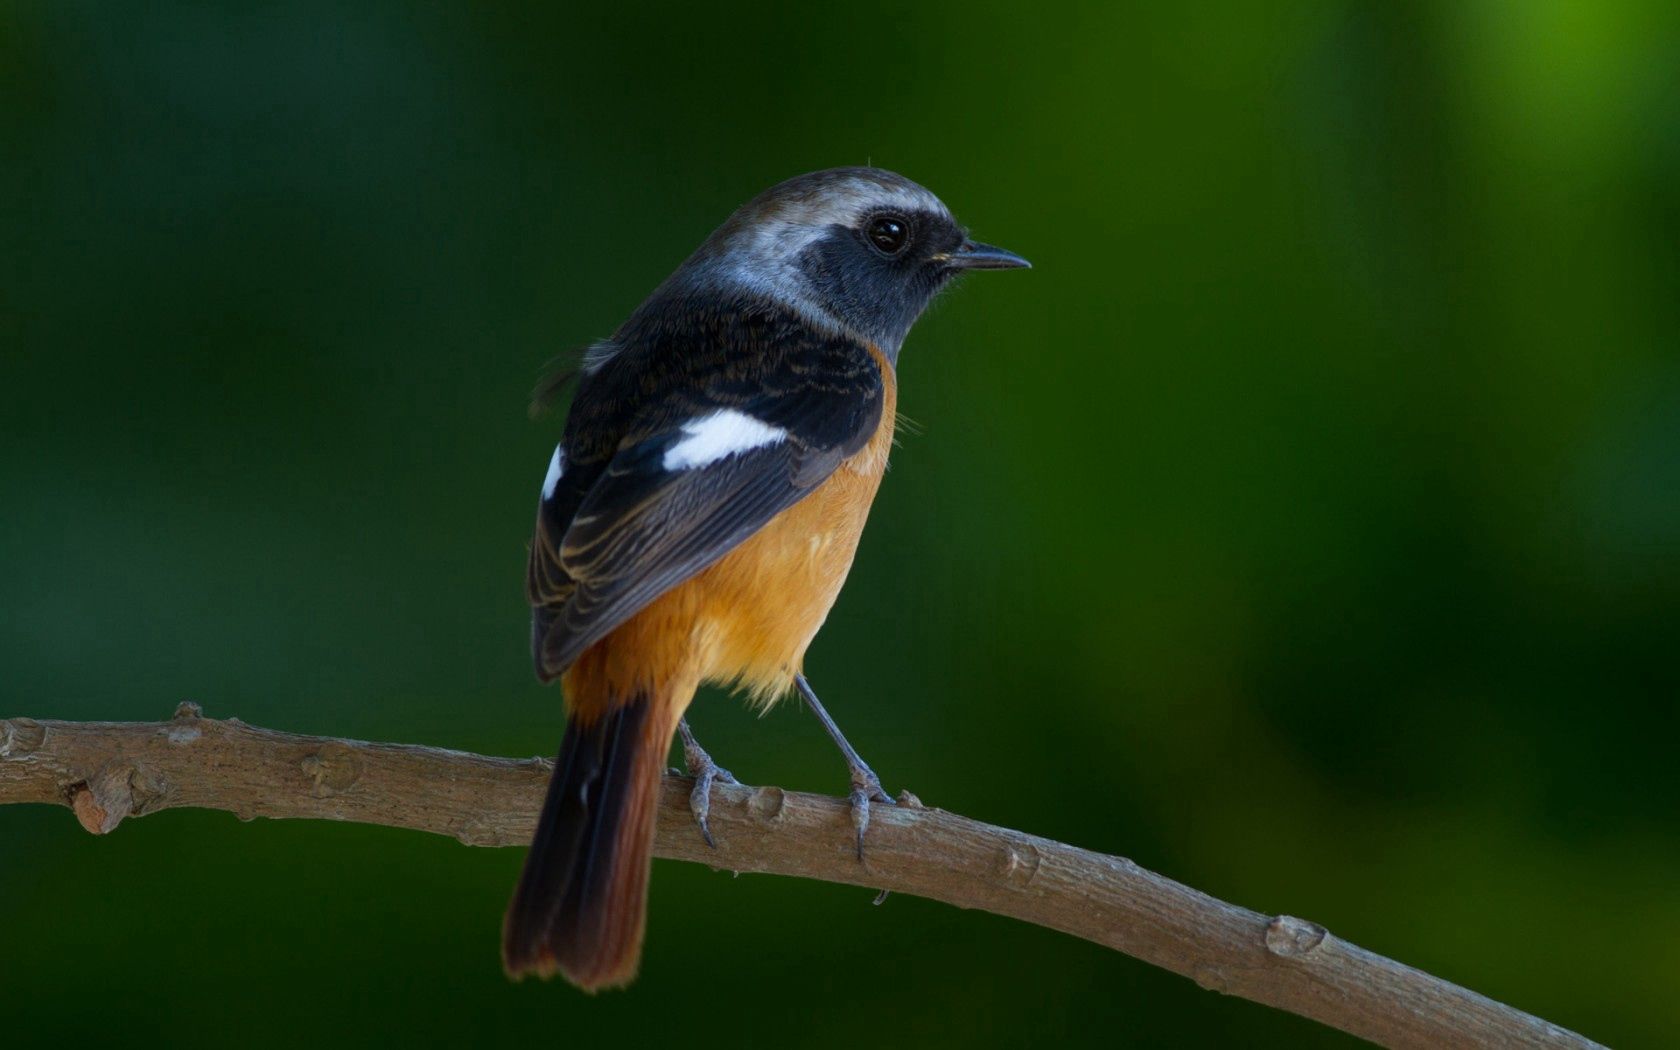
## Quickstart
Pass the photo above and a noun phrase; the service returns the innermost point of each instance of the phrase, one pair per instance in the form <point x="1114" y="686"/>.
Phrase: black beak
<point x="976" y="256"/>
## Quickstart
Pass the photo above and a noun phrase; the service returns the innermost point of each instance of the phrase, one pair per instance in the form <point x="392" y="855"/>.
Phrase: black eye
<point x="889" y="233"/>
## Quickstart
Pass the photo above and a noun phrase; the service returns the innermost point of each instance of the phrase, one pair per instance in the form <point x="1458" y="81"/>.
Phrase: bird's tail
<point x="582" y="900"/>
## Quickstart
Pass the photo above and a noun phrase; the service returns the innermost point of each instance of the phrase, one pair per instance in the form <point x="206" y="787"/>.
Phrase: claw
<point x="700" y="803"/>
<point x="866" y="788"/>
<point x="860" y="818"/>
<point x="705" y="772"/>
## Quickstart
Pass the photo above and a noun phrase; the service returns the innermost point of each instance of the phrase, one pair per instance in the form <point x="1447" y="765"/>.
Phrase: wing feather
<point x="614" y="538"/>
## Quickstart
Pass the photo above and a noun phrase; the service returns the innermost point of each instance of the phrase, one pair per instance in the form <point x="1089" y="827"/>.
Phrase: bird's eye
<point x="889" y="233"/>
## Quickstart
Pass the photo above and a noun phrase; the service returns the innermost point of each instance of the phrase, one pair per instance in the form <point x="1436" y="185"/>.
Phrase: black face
<point x="879" y="275"/>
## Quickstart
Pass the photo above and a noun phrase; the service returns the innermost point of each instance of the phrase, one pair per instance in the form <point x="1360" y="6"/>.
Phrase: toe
<point x="860" y="817"/>
<point x="700" y="804"/>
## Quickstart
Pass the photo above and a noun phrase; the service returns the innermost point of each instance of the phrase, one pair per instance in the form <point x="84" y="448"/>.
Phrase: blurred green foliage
<point x="1306" y="526"/>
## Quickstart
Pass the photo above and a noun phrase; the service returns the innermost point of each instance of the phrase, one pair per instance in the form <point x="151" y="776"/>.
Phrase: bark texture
<point x="106" y="772"/>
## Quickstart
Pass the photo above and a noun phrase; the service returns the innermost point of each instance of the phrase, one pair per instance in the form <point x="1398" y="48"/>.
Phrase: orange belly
<point x="748" y="619"/>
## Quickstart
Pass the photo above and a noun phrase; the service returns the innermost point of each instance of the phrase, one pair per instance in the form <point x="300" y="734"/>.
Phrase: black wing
<point x="616" y="533"/>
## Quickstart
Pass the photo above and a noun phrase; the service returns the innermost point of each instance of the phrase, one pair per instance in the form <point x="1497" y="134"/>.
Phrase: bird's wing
<point x="704" y="466"/>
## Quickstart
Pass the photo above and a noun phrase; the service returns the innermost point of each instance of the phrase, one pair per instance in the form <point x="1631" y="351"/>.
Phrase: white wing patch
<point x="721" y="434"/>
<point x="556" y="467"/>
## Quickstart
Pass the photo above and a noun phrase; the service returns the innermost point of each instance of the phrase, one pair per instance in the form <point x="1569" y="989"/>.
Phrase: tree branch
<point x="106" y="771"/>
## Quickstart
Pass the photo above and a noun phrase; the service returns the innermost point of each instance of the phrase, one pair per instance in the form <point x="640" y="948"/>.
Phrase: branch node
<point x="476" y="831"/>
<point x="331" y="769"/>
<point x="188" y="709"/>
<point x="88" y="813"/>
<point x="147" y="791"/>
<point x="1212" y="979"/>
<point x="1019" y="864"/>
<point x="182" y="731"/>
<point x="766" y="804"/>
<point x="1290" y="938"/>
<point x="103" y="800"/>
<point x="20" y="736"/>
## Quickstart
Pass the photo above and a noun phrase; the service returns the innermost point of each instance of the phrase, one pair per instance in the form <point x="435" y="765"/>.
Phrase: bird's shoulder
<point x="677" y="361"/>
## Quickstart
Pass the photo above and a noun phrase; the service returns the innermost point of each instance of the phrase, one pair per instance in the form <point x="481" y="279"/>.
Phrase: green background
<point x="1305" y="526"/>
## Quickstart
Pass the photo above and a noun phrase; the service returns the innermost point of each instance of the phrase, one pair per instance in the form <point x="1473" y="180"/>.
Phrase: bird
<point x="699" y="515"/>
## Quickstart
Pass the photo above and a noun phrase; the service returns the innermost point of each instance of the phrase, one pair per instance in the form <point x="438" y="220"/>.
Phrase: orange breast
<point x="766" y="600"/>
<point x="749" y="618"/>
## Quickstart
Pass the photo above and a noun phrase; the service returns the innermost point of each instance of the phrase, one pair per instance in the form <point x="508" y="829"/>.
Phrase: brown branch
<point x="106" y="771"/>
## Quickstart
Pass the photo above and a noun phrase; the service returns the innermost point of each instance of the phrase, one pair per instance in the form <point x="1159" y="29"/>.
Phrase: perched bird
<point x="699" y="516"/>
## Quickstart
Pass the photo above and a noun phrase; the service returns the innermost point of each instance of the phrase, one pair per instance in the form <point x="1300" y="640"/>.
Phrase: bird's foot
<point x="866" y="786"/>
<point x="866" y="789"/>
<point x="705" y="773"/>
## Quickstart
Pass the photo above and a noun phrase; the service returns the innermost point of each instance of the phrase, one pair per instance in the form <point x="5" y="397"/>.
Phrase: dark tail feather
<point x="582" y="900"/>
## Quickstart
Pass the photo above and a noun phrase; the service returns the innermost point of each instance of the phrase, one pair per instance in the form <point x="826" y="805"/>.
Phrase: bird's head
<point x="861" y="249"/>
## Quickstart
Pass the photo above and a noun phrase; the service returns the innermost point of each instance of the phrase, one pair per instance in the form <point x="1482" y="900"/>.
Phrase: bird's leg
<point x="704" y="771"/>
<point x="866" y="786"/>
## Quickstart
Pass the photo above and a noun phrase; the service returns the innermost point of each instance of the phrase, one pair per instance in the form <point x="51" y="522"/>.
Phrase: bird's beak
<point x="976" y="256"/>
